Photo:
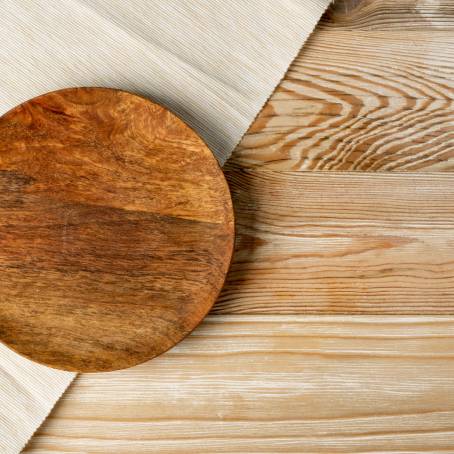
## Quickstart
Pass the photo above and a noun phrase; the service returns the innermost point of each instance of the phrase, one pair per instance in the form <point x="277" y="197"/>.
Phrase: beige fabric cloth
<point x="213" y="62"/>
<point x="28" y="391"/>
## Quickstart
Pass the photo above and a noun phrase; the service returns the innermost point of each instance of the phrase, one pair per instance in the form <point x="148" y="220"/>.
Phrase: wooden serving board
<point x="116" y="229"/>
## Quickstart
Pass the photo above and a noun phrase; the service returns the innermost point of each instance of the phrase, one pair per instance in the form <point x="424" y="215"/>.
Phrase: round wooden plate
<point x="116" y="229"/>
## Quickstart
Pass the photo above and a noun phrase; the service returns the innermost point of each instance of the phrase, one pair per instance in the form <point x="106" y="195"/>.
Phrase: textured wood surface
<point x="306" y="383"/>
<point x="262" y="384"/>
<point x="116" y="229"/>
<point x="372" y="90"/>
<point x="312" y="242"/>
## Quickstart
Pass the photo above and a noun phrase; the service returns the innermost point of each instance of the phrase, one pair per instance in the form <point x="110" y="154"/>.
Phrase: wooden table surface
<point x="335" y="330"/>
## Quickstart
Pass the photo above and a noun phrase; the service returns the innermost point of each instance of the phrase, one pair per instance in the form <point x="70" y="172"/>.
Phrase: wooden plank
<point x="391" y="15"/>
<point x="372" y="90"/>
<point x="313" y="242"/>
<point x="269" y="384"/>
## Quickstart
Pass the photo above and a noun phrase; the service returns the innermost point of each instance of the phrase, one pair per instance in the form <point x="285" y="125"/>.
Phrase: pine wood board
<point x="372" y="90"/>
<point x="344" y="242"/>
<point x="269" y="384"/>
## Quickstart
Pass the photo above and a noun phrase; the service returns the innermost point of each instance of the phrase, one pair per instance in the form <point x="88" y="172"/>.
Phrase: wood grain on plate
<point x="262" y="384"/>
<point x="116" y="229"/>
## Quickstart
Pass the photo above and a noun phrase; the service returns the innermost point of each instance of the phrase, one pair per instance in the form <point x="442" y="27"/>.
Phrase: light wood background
<point x="343" y="189"/>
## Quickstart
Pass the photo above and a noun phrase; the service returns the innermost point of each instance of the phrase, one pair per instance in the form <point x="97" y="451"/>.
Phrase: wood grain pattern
<point x="341" y="243"/>
<point x="116" y="229"/>
<point x="271" y="384"/>
<point x="372" y="90"/>
<point x="403" y="16"/>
